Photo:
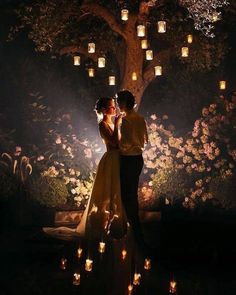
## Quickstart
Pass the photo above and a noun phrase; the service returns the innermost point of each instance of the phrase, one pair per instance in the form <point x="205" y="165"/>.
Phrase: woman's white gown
<point x="104" y="213"/>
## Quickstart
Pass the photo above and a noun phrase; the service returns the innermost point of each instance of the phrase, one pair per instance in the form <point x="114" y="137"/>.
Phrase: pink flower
<point x="18" y="151"/>
<point x="58" y="140"/>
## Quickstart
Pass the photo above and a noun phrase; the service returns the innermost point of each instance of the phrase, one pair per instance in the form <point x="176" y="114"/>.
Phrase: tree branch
<point x="161" y="58"/>
<point x="79" y="49"/>
<point x="105" y="14"/>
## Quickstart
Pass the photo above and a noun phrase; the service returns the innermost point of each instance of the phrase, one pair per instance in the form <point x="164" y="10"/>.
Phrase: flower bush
<point x="209" y="150"/>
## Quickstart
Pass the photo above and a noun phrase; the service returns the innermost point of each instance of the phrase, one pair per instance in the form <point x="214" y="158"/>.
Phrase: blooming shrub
<point x="209" y="150"/>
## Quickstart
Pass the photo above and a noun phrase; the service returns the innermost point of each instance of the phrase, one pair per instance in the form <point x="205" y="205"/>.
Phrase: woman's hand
<point x="118" y="120"/>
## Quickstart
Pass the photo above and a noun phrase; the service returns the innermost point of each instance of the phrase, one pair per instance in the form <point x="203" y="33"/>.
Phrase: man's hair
<point x="127" y="98"/>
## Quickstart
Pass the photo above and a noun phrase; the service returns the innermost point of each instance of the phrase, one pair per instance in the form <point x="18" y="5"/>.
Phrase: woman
<point x="104" y="214"/>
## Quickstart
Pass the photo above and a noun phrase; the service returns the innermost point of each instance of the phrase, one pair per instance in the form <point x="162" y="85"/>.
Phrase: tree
<point x="65" y="27"/>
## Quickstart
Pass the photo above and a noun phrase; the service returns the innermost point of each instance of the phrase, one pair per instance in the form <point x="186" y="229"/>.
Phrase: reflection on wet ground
<point x="199" y="261"/>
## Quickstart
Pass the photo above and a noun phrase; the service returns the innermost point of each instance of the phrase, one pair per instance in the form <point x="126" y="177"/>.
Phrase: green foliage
<point x="48" y="191"/>
<point x="172" y="184"/>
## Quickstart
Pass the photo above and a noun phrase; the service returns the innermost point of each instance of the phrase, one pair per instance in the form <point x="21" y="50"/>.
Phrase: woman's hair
<point x="101" y="104"/>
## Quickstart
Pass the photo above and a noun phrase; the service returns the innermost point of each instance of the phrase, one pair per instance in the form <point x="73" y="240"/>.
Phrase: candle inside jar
<point x="102" y="247"/>
<point x="147" y="264"/>
<point x="63" y="263"/>
<point x="88" y="265"/>
<point x="76" y="279"/>
<point x="79" y="252"/>
<point x="123" y="254"/>
<point x="136" y="280"/>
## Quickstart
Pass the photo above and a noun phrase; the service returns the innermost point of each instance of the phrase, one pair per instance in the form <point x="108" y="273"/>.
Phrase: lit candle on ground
<point x="63" y="263"/>
<point x="79" y="252"/>
<point x="102" y="247"/>
<point x="130" y="289"/>
<point x="123" y="254"/>
<point x="76" y="279"/>
<point x="88" y="264"/>
<point x="137" y="278"/>
<point x="147" y="263"/>
<point x="173" y="287"/>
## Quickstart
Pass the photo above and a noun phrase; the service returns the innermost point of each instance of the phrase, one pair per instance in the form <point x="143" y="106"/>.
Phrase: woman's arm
<point x="110" y="137"/>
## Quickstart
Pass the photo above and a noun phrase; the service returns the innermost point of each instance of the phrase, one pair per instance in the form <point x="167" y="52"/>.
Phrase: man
<point x="133" y="137"/>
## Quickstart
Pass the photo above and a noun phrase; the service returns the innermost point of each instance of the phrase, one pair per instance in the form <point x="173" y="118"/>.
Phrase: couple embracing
<point x="114" y="200"/>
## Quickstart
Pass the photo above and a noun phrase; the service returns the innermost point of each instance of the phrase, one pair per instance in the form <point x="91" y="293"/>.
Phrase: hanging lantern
<point x="173" y="287"/>
<point x="91" y="72"/>
<point x="134" y="76"/>
<point x="124" y="14"/>
<point x="123" y="254"/>
<point x="190" y="39"/>
<point x="184" y="51"/>
<point x="144" y="44"/>
<point x="91" y="47"/>
<point x="222" y="85"/>
<point x="101" y="62"/>
<point x="149" y="55"/>
<point x="76" y="60"/>
<point x="141" y="31"/>
<point x="161" y="26"/>
<point x="76" y="279"/>
<point x="112" y="80"/>
<point x="158" y="70"/>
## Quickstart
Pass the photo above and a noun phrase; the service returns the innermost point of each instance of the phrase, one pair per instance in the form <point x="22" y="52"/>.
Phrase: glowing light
<point x="184" y="51"/>
<point x="112" y="80"/>
<point x="76" y="60"/>
<point x="91" y="72"/>
<point x="101" y="247"/>
<point x="76" y="279"/>
<point x="173" y="287"/>
<point x="134" y="76"/>
<point x="79" y="252"/>
<point x="124" y="14"/>
<point x="144" y="44"/>
<point x="141" y="31"/>
<point x="147" y="263"/>
<point x="63" y="263"/>
<point x="123" y="254"/>
<point x="91" y="47"/>
<point x="158" y="70"/>
<point x="149" y="55"/>
<point x="161" y="26"/>
<point x="137" y="278"/>
<point x="88" y="265"/>
<point x="222" y="85"/>
<point x="101" y="62"/>
<point x="190" y="39"/>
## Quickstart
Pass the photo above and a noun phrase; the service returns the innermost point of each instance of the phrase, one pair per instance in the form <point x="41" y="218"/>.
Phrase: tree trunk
<point x="133" y="63"/>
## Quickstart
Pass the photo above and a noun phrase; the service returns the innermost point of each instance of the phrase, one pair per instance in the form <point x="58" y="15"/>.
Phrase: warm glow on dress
<point x="76" y="60"/>
<point x="161" y="26"/>
<point x="141" y="31"/>
<point x="124" y="14"/>
<point x="184" y="51"/>
<point x="91" y="47"/>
